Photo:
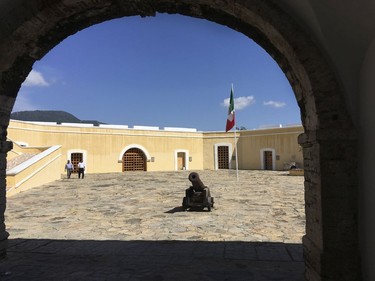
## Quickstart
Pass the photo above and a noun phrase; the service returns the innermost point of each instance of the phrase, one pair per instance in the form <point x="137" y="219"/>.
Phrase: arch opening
<point x="28" y="40"/>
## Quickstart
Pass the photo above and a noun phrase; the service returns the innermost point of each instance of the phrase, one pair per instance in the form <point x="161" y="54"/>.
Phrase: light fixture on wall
<point x="152" y="159"/>
<point x="190" y="158"/>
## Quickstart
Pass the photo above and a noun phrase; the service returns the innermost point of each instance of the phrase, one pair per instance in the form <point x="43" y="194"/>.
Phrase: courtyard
<point x="131" y="226"/>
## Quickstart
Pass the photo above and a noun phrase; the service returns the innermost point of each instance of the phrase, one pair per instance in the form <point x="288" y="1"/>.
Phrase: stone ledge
<point x="296" y="172"/>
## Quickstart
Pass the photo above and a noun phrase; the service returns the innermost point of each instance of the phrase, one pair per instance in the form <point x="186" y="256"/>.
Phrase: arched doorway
<point x="134" y="160"/>
<point x="32" y="28"/>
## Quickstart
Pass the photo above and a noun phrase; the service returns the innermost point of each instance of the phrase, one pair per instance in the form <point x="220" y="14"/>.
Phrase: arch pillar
<point x="10" y="83"/>
<point x="5" y="146"/>
<point x="331" y="241"/>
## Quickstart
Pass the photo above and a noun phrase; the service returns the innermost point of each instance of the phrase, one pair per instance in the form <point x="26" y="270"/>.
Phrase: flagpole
<point x="235" y="147"/>
<point x="235" y="143"/>
<point x="231" y="122"/>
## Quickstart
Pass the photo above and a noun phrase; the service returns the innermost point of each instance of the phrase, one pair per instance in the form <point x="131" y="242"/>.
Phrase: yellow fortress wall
<point x="281" y="141"/>
<point x="103" y="147"/>
<point x="212" y="140"/>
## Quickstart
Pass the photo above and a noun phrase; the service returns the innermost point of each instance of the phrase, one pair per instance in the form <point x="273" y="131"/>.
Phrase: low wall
<point x="296" y="172"/>
<point x="40" y="169"/>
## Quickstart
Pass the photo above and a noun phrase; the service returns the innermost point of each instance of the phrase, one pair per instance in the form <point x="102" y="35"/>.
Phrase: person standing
<point x="81" y="169"/>
<point x="68" y="169"/>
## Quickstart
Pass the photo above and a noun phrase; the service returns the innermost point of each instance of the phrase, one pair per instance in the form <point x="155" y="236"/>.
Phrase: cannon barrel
<point x="195" y="180"/>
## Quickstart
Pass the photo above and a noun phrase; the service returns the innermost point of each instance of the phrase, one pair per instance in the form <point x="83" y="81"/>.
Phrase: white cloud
<point x="35" y="79"/>
<point x="240" y="102"/>
<point x="275" y="104"/>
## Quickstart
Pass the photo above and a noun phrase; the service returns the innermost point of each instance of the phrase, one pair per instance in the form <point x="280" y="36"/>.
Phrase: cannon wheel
<point x="209" y="204"/>
<point x="184" y="204"/>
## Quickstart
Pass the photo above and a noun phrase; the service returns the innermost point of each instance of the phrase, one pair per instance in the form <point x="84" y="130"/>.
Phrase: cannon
<point x="198" y="195"/>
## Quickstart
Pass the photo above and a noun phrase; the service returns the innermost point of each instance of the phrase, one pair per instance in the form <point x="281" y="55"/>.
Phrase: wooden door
<point x="134" y="160"/>
<point x="181" y="160"/>
<point x="75" y="158"/>
<point x="268" y="164"/>
<point x="223" y="157"/>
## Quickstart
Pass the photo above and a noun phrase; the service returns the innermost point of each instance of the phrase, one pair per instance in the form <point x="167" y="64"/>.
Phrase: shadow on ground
<point x="180" y="209"/>
<point x="44" y="259"/>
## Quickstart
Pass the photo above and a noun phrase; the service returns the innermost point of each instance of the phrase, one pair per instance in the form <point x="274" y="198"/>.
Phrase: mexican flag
<point x="231" y="118"/>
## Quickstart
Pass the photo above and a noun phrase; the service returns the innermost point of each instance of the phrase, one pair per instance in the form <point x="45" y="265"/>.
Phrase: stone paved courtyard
<point x="131" y="227"/>
<point x="261" y="206"/>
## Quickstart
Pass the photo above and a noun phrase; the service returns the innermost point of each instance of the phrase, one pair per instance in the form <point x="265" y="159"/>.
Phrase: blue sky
<point x="165" y="71"/>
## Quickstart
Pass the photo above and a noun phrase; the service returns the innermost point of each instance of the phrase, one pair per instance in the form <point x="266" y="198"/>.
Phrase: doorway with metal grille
<point x="268" y="164"/>
<point x="75" y="158"/>
<point x="223" y="157"/>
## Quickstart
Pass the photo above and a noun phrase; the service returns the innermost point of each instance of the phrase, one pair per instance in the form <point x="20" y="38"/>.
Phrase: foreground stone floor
<point x="130" y="226"/>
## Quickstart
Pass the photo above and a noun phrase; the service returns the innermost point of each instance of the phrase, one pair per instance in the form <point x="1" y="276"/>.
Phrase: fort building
<point x="41" y="150"/>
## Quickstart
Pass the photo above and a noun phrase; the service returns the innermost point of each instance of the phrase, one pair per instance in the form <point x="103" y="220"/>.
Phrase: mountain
<point x="50" y="116"/>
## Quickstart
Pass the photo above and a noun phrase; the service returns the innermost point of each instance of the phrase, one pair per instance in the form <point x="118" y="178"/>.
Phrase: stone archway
<point x="29" y="29"/>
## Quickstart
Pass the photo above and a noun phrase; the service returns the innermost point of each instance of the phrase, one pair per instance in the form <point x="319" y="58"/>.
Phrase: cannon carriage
<point x="198" y="195"/>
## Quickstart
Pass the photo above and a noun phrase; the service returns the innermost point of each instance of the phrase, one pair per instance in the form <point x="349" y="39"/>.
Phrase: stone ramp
<point x="19" y="160"/>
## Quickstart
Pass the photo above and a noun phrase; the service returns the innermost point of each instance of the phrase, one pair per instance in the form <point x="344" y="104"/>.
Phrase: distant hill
<point x="50" y="116"/>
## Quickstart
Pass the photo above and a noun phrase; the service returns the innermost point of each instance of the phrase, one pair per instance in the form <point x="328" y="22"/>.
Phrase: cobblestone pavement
<point x="130" y="226"/>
